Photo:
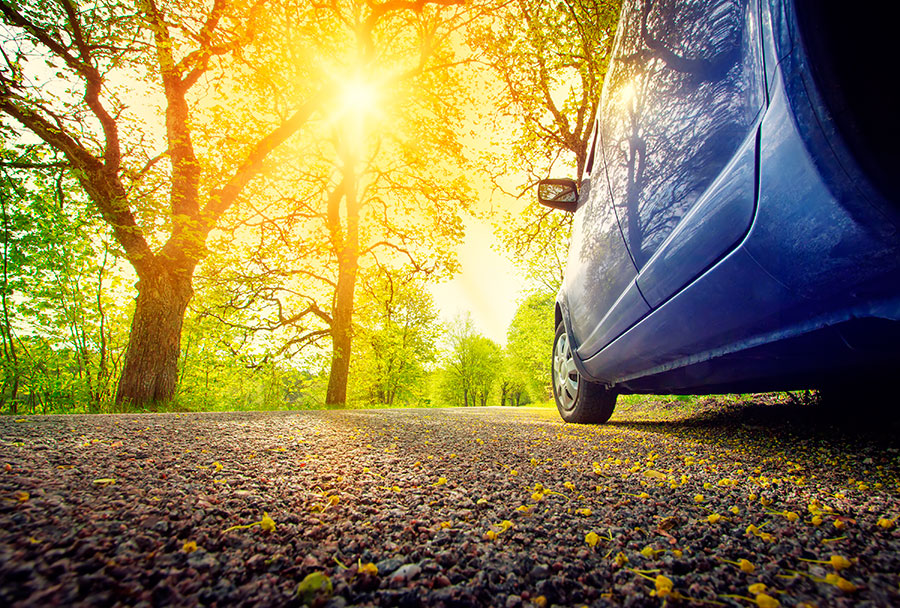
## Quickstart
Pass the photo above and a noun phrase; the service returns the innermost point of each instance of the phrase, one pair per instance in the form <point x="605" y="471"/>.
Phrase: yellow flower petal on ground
<point x="104" y="481"/>
<point x="621" y="559"/>
<point x="267" y="523"/>
<point x="654" y="475"/>
<point x="217" y="466"/>
<point x="446" y="524"/>
<point x="735" y="510"/>
<point x="537" y="496"/>
<point x="886" y="523"/>
<point x="513" y="472"/>
<point x="22" y="496"/>
<point x="481" y="501"/>
<point x="839" y="524"/>
<point x="369" y="569"/>
<point x="648" y="552"/>
<point x="746" y="566"/>
<point x="845" y="585"/>
<point x="791" y="516"/>
<point x="714" y="518"/>
<point x="592" y="538"/>
<point x="441" y="481"/>
<point x="757" y="588"/>
<point x="766" y="601"/>
<point x="816" y="520"/>
<point x="664" y="585"/>
<point x="839" y="562"/>
<point x="189" y="547"/>
<point x="313" y="585"/>
<point x="490" y="535"/>
<point x="699" y="498"/>
<point x="586" y="512"/>
<point x="569" y="485"/>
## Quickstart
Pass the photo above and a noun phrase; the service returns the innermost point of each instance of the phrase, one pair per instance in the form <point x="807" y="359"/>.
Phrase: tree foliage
<point x="62" y="334"/>
<point x="529" y="341"/>
<point x="548" y="60"/>
<point x="472" y="365"/>
<point x="395" y="340"/>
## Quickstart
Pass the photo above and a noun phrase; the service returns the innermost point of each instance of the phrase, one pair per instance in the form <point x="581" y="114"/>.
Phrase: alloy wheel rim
<point x="565" y="375"/>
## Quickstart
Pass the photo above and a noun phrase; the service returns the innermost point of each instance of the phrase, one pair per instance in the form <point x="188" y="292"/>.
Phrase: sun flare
<point x="359" y="96"/>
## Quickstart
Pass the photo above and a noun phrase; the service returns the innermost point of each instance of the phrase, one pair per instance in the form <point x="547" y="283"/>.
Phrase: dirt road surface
<point x="738" y="505"/>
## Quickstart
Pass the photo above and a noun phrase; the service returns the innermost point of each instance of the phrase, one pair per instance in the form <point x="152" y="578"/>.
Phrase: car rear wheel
<point x="577" y="399"/>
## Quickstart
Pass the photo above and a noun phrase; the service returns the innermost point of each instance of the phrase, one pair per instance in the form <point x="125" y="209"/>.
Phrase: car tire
<point x="577" y="399"/>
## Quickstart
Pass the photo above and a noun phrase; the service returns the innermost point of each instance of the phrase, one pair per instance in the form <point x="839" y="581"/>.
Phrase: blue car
<point x="736" y="228"/>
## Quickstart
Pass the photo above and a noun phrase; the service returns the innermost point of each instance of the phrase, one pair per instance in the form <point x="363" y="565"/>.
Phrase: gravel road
<point x="739" y="505"/>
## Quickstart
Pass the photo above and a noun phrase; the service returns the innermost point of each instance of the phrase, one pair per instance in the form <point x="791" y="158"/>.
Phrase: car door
<point x="601" y="294"/>
<point x="680" y="111"/>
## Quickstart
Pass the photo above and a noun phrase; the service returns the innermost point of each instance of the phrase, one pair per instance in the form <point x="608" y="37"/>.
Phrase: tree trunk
<point x="342" y="312"/>
<point x="150" y="371"/>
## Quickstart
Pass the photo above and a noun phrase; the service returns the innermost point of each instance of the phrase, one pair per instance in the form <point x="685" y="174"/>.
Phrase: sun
<point x="359" y="96"/>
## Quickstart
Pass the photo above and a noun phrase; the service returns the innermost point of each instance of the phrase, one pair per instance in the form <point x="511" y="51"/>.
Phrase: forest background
<point x="245" y="204"/>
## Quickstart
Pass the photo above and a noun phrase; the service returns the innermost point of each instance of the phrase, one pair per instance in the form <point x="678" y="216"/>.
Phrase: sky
<point x="488" y="287"/>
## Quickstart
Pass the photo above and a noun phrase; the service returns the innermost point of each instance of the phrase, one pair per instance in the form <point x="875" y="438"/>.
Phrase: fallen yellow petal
<point x="839" y="562"/>
<point x="766" y="601"/>
<point x="369" y="569"/>
<point x="663" y="585"/>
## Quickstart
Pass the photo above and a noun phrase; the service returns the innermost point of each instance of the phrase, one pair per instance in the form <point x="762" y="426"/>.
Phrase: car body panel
<point x="599" y="268"/>
<point x="714" y="226"/>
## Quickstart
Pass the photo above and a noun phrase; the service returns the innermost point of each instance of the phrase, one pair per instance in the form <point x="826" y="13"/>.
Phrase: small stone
<point x="390" y="564"/>
<point x="406" y="572"/>
<point x="513" y="601"/>
<point x="540" y="571"/>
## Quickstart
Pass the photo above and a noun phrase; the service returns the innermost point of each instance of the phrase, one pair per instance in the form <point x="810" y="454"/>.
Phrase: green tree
<point x="529" y="341"/>
<point x="395" y="333"/>
<point x="61" y="334"/>
<point x="74" y="75"/>
<point x="472" y="365"/>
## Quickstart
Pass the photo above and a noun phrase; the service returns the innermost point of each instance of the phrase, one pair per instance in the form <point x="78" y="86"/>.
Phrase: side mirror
<point x="558" y="193"/>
